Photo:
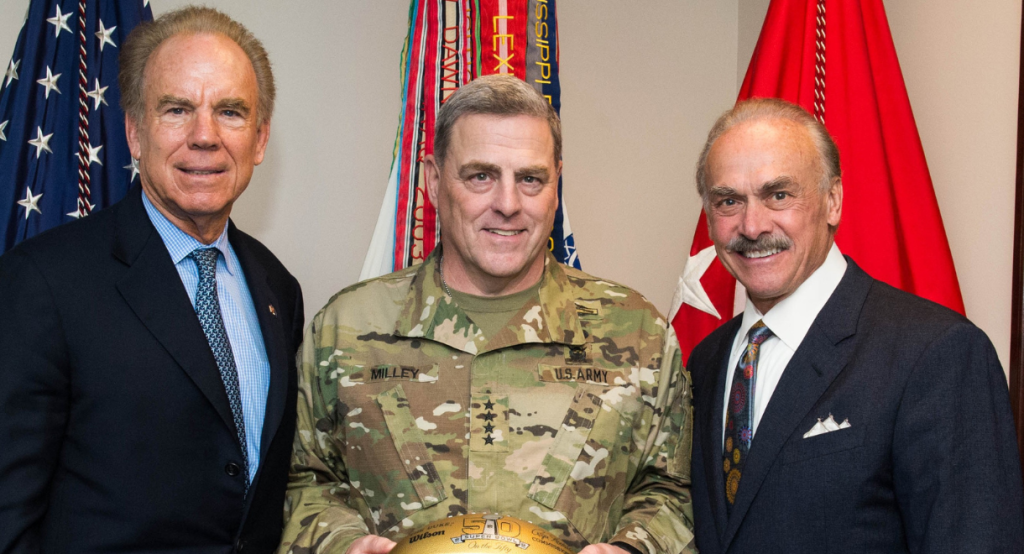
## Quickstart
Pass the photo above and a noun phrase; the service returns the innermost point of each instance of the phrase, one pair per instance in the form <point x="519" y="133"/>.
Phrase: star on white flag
<point x="3" y="125"/>
<point x="12" y="72"/>
<point x="30" y="202"/>
<point x="689" y="290"/>
<point x="60" y="21"/>
<point x="104" y="35"/>
<point x="50" y="82"/>
<point x="97" y="95"/>
<point x="41" y="142"/>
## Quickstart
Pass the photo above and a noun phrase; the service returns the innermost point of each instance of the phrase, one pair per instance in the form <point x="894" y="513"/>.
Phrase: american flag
<point x="63" y="152"/>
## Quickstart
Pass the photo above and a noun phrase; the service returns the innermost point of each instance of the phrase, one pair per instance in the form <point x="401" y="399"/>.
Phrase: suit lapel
<point x="711" y="424"/>
<point x="272" y="329"/>
<point x="817" y="362"/>
<point x="153" y="290"/>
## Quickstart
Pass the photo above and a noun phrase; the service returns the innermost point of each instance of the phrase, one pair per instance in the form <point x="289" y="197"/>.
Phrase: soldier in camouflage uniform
<point x="567" y="408"/>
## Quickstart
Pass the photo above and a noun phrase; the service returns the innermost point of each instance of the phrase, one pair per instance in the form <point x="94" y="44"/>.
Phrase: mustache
<point x="760" y="244"/>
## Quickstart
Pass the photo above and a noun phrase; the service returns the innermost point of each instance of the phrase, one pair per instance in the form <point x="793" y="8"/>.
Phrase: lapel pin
<point x="273" y="312"/>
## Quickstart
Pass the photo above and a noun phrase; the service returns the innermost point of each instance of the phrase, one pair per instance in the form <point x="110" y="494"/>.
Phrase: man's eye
<point x="530" y="179"/>
<point x="230" y="113"/>
<point x="727" y="202"/>
<point x="479" y="177"/>
<point x="780" y="195"/>
<point x="176" y="111"/>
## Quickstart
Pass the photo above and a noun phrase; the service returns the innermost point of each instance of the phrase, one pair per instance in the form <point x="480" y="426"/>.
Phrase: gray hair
<point x="502" y="95"/>
<point x="772" y="109"/>
<point x="190" y="20"/>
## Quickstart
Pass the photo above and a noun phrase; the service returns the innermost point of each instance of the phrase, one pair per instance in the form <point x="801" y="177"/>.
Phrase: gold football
<point x="481" y="534"/>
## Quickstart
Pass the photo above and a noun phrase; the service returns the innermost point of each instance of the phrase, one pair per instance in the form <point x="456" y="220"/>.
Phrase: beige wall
<point x="961" y="61"/>
<point x="641" y="86"/>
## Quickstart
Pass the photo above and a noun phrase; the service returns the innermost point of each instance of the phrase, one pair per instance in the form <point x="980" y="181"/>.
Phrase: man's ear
<point x="262" y="137"/>
<point x="432" y="177"/>
<point x="132" y="132"/>
<point x="558" y="175"/>
<point x="835" y="202"/>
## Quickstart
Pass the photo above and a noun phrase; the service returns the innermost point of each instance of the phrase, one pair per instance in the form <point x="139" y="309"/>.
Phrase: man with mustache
<point x="836" y="414"/>
<point x="491" y="378"/>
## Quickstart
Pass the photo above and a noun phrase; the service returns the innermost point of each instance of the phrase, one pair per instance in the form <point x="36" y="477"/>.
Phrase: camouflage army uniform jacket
<point x="575" y="416"/>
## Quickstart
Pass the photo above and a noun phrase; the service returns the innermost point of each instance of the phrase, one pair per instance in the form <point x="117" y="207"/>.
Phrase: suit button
<point x="232" y="469"/>
<point x="239" y="545"/>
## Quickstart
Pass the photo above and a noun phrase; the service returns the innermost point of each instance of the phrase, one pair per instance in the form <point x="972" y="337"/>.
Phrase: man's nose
<point x="203" y="134"/>
<point x="506" y="199"/>
<point x="756" y="220"/>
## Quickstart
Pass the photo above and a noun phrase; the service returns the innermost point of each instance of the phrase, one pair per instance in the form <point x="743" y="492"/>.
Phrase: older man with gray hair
<point x="491" y="378"/>
<point x="836" y="414"/>
<point x="147" y="372"/>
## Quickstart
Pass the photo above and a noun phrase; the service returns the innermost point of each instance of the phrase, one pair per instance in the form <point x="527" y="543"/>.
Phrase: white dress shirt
<point x="789" y="321"/>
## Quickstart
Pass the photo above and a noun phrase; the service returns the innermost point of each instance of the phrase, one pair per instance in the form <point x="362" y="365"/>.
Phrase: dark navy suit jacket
<point x="929" y="464"/>
<point x="116" y="434"/>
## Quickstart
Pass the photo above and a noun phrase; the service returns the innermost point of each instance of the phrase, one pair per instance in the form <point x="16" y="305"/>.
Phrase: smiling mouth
<point x="200" y="171"/>
<point x="764" y="246"/>
<point x="761" y="253"/>
<point x="504" y="232"/>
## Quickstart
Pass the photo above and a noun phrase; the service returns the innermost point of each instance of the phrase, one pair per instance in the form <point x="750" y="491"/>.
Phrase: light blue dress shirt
<point x="240" y="321"/>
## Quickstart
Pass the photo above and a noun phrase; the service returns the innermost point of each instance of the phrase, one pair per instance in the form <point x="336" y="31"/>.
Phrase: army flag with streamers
<point x="63" y="151"/>
<point x="837" y="60"/>
<point x="450" y="43"/>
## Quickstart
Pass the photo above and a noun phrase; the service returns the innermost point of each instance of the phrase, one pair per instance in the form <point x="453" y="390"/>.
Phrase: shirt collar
<point x="792" y="317"/>
<point x="179" y="243"/>
<point x="431" y="313"/>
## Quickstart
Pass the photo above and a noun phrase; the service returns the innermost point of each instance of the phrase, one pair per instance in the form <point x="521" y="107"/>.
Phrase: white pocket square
<point x="827" y="426"/>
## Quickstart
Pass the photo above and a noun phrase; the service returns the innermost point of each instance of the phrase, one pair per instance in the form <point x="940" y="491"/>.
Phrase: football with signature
<point x="481" y="534"/>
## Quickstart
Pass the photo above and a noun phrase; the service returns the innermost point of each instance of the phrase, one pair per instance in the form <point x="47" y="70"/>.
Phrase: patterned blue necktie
<point x="739" y="417"/>
<point x="208" y="310"/>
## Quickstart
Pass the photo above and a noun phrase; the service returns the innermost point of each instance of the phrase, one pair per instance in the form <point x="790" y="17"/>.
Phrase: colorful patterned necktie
<point x="208" y="310"/>
<point x="739" y="418"/>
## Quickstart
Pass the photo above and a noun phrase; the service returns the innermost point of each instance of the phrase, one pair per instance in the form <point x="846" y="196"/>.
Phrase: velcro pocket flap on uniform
<point x="569" y="441"/>
<point x="411" y="446"/>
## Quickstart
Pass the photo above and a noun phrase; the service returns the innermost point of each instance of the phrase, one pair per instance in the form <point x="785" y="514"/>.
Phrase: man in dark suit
<point x="858" y="418"/>
<point x="147" y="377"/>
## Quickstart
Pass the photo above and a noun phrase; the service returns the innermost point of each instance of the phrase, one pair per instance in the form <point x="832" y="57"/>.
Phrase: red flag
<point x="836" y="58"/>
